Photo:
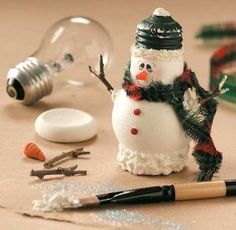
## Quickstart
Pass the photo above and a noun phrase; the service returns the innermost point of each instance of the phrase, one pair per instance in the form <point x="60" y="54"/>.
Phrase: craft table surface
<point x="22" y="25"/>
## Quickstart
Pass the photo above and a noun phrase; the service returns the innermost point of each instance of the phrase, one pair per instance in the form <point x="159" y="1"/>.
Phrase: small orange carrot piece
<point x="31" y="150"/>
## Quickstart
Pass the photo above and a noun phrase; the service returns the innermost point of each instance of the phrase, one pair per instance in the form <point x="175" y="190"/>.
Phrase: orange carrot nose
<point x="142" y="75"/>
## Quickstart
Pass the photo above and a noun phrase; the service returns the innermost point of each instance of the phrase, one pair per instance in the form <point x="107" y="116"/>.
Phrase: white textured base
<point x="152" y="164"/>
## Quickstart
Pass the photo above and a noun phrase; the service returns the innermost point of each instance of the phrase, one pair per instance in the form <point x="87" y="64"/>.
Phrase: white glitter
<point x="125" y="218"/>
<point x="78" y="188"/>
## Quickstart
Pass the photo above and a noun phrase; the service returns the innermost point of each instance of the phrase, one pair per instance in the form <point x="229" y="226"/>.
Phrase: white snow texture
<point x="152" y="164"/>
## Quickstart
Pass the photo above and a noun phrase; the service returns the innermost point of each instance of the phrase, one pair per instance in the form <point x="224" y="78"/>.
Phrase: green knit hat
<point x="159" y="31"/>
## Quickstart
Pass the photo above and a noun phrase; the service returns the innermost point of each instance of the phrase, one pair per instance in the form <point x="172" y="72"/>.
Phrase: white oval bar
<point x="65" y="125"/>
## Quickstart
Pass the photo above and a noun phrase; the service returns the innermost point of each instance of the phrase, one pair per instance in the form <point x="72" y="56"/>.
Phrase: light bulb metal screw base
<point x="29" y="81"/>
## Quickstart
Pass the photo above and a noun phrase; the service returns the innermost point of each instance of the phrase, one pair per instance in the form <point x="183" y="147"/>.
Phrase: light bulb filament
<point x="57" y="66"/>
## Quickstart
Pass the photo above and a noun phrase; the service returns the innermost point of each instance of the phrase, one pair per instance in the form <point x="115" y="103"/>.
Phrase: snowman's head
<point x="148" y="65"/>
<point x="157" y="54"/>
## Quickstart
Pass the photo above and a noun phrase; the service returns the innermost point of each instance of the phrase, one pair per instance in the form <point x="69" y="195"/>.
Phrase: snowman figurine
<point x="154" y="118"/>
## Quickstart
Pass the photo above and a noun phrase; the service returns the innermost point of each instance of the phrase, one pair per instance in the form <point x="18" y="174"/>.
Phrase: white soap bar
<point x="65" y="125"/>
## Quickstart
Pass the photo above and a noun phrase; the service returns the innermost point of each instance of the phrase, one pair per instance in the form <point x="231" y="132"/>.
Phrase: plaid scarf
<point x="157" y="91"/>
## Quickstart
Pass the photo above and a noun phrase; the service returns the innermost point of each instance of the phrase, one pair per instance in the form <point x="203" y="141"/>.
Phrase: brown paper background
<point x="23" y="24"/>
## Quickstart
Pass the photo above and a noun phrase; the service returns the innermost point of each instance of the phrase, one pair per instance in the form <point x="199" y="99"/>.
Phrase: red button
<point x="137" y="112"/>
<point x="134" y="131"/>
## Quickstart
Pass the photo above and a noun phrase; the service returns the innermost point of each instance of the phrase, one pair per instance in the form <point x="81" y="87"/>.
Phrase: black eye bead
<point x="141" y="66"/>
<point x="148" y="68"/>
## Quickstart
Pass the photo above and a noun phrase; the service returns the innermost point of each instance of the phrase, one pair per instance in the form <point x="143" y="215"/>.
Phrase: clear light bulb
<point x="71" y="40"/>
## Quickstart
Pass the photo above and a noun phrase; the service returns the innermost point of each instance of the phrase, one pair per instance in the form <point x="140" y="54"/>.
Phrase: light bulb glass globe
<point x="72" y="40"/>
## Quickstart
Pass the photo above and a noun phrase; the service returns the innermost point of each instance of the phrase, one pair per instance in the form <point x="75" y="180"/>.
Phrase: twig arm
<point x="217" y="92"/>
<point x="101" y="75"/>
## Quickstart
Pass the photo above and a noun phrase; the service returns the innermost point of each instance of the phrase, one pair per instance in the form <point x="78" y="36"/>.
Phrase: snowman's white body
<point x="160" y="145"/>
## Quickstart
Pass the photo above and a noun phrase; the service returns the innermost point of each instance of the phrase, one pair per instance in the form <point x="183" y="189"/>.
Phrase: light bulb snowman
<point x="154" y="116"/>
